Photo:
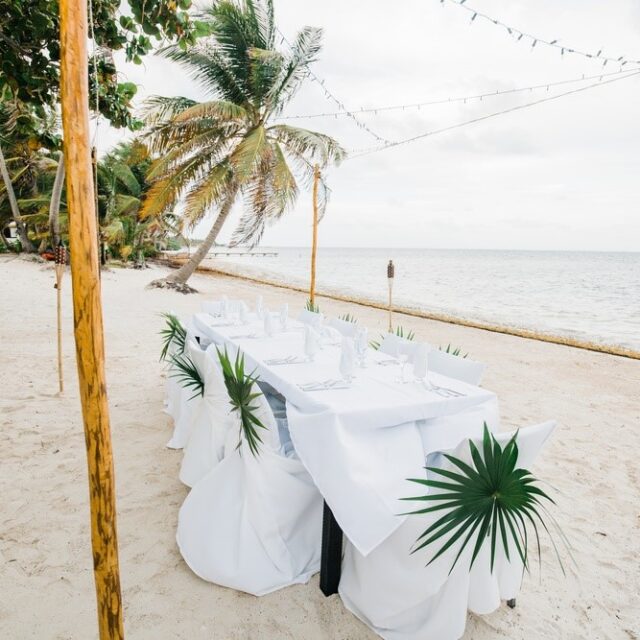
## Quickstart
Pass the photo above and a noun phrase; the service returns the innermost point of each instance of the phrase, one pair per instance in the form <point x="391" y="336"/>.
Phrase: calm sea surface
<point x="586" y="295"/>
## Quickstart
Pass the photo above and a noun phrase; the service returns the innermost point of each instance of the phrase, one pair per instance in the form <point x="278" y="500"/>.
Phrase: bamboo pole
<point x="87" y="313"/>
<point x="314" y="241"/>
<point x="60" y="262"/>
<point x="390" y="276"/>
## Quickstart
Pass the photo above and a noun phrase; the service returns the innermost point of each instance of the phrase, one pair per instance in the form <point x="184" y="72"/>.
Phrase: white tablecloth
<point x="359" y="444"/>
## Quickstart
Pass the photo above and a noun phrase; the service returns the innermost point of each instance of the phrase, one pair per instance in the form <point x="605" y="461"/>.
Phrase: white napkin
<point x="242" y="313"/>
<point x="331" y="334"/>
<point x="347" y="359"/>
<point x="420" y="362"/>
<point x="268" y="323"/>
<point x="284" y="316"/>
<point x="311" y="342"/>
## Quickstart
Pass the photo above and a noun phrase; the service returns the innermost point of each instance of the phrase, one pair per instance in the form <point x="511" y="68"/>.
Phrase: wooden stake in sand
<point x="60" y="263"/>
<point x="87" y="314"/>
<point x="314" y="242"/>
<point x="391" y="272"/>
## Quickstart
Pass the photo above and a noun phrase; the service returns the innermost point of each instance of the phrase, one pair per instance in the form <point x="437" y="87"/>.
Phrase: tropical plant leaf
<point x="400" y="332"/>
<point x="347" y="317"/>
<point x="491" y="502"/>
<point x="173" y="333"/>
<point x="454" y="351"/>
<point x="241" y="390"/>
<point x="312" y="306"/>
<point x="184" y="369"/>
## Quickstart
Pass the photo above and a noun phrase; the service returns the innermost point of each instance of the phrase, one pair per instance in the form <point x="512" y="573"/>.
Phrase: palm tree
<point x="121" y="187"/>
<point x="213" y="152"/>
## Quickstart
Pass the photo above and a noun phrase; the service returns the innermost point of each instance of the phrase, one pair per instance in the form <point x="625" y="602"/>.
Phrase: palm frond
<point x="312" y="306"/>
<point x="173" y="333"/>
<point x="184" y="369"/>
<point x="347" y="317"/>
<point x="241" y="390"/>
<point x="454" y="351"/>
<point x="400" y="332"/>
<point x="491" y="502"/>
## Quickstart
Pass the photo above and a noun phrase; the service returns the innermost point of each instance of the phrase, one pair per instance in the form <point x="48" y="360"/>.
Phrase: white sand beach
<point x="46" y="577"/>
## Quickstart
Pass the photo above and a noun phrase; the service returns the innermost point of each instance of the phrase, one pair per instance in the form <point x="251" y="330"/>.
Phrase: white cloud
<point x="558" y="175"/>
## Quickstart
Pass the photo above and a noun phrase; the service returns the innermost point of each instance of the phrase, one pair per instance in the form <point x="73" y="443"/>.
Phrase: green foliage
<point x="214" y="151"/>
<point x="490" y="502"/>
<point x="347" y="317"/>
<point x="173" y="333"/>
<point x="240" y="387"/>
<point x="30" y="51"/>
<point x="312" y="306"/>
<point x="454" y="351"/>
<point x="400" y="332"/>
<point x="184" y="369"/>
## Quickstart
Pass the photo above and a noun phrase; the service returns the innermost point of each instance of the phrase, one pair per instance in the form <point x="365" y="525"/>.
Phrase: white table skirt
<point x="360" y="444"/>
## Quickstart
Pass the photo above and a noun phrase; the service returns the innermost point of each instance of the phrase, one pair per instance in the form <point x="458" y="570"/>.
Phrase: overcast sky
<point x="561" y="175"/>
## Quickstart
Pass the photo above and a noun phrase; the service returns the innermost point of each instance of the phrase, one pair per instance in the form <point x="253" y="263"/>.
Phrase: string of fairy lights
<point x="453" y="100"/>
<point x="427" y="134"/>
<point x="602" y="78"/>
<point x="556" y="43"/>
<point x="330" y="96"/>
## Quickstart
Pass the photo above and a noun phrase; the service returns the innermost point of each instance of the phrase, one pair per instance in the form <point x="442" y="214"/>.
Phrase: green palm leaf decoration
<point x="184" y="369"/>
<point x="240" y="387"/>
<point x="173" y="333"/>
<point x="400" y="332"/>
<point x="454" y="351"/>
<point x="347" y="317"/>
<point x="490" y="502"/>
<point x="312" y="306"/>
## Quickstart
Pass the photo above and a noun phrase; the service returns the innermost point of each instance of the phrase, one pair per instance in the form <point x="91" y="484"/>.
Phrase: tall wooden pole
<point x="314" y="242"/>
<point x="391" y="272"/>
<point x="87" y="313"/>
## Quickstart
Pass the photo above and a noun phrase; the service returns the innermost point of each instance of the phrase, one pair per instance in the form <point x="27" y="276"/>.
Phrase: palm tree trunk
<point x="54" y="205"/>
<point x="178" y="280"/>
<point x="13" y="204"/>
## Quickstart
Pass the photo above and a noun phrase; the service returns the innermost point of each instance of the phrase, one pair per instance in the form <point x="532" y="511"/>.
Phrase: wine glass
<point x="362" y="346"/>
<point x="284" y="316"/>
<point x="404" y="352"/>
<point x="347" y="360"/>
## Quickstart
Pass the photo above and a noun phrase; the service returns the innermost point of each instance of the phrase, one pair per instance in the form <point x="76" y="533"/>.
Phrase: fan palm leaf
<point x="184" y="369"/>
<point x="489" y="501"/>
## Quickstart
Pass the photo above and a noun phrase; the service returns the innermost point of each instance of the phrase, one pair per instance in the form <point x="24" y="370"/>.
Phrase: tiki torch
<point x="390" y="275"/>
<point x="60" y="254"/>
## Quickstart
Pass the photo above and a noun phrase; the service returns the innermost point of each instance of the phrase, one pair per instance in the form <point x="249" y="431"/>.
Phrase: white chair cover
<point x="392" y="345"/>
<point x="310" y="317"/>
<point x="211" y="421"/>
<point x="187" y="403"/>
<point x="344" y="327"/>
<point x="173" y="389"/>
<point x="253" y="523"/>
<point x="400" y="598"/>
<point x="456" y="367"/>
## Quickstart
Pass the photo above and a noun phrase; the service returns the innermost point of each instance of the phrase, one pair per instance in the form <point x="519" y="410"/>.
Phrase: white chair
<point x="173" y="389"/>
<point x="456" y="367"/>
<point x="346" y="328"/>
<point x="310" y="317"/>
<point x="211" y="421"/>
<point x="186" y="401"/>
<point x="253" y="523"/>
<point x="393" y="345"/>
<point x="400" y="598"/>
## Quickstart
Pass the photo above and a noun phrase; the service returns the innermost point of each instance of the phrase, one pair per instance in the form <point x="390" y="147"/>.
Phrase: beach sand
<point x="46" y="577"/>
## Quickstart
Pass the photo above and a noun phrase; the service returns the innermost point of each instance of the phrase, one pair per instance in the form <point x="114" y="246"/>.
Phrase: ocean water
<point x="593" y="296"/>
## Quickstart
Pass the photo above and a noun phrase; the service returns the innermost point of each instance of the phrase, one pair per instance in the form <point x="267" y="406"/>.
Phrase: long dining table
<point x="360" y="441"/>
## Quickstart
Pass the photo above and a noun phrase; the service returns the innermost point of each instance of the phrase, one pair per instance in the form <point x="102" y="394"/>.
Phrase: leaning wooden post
<point x="60" y="262"/>
<point x="87" y="314"/>
<point x="314" y="242"/>
<point x="390" y="275"/>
